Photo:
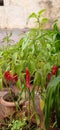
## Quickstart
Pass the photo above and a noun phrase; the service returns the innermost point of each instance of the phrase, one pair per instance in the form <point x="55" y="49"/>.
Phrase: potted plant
<point x="38" y="52"/>
<point x="13" y="99"/>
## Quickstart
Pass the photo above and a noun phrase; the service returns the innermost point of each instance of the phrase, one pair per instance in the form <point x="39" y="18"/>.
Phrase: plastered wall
<point x="14" y="13"/>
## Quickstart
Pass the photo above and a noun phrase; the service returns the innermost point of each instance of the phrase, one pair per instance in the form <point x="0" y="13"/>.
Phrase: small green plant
<point x="7" y="39"/>
<point x="39" y="19"/>
<point x="17" y="124"/>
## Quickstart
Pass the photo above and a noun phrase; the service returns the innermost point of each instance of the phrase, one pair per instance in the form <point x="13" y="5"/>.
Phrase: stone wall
<point x="14" y="13"/>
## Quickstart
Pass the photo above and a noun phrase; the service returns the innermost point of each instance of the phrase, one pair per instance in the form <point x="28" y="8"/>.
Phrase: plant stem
<point x="35" y="111"/>
<point x="29" y="110"/>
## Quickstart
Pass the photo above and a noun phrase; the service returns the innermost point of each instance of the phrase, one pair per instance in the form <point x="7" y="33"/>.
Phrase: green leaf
<point x="18" y="68"/>
<point x="54" y="82"/>
<point x="1" y="83"/>
<point x="37" y="118"/>
<point x="51" y="96"/>
<point x="10" y="34"/>
<point x="19" y="83"/>
<point x="14" y="57"/>
<point x="41" y="12"/>
<point x="37" y="79"/>
<point x="57" y="106"/>
<point x="31" y="66"/>
<point x="55" y="26"/>
<point x="44" y="20"/>
<point x="33" y="15"/>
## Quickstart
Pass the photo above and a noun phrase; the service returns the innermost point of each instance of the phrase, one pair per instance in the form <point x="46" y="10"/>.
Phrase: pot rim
<point x="6" y="103"/>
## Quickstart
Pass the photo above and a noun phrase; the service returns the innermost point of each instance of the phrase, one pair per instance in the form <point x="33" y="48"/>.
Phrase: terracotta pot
<point x="7" y="107"/>
<point x="2" y="93"/>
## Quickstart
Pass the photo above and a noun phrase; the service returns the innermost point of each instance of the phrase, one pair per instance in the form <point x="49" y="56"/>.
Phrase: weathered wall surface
<point x="14" y="13"/>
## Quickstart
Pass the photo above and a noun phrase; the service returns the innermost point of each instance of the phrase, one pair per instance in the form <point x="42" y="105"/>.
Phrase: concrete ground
<point x="16" y="35"/>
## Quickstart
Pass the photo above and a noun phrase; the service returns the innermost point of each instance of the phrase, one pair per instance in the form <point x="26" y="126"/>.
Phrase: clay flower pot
<point x="8" y="104"/>
<point x="8" y="108"/>
<point x="2" y="93"/>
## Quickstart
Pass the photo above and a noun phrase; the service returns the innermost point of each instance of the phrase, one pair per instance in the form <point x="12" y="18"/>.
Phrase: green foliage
<point x="7" y="39"/>
<point x="17" y="124"/>
<point x="52" y="100"/>
<point x="0" y="83"/>
<point x="38" y="18"/>
<point x="38" y="50"/>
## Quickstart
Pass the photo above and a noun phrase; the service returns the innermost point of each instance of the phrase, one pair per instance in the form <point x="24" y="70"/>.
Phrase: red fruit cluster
<point x="10" y="77"/>
<point x="7" y="75"/>
<point x="49" y="76"/>
<point x="54" y="70"/>
<point x="28" y="78"/>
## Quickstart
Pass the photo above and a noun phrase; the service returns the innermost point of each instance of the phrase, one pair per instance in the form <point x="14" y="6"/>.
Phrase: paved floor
<point x="16" y="35"/>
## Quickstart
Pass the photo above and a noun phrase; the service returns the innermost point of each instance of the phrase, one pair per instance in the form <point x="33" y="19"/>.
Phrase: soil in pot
<point x="10" y="97"/>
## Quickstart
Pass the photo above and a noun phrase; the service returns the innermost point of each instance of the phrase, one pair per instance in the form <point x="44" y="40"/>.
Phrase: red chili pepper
<point x="8" y="76"/>
<point x="28" y="78"/>
<point x="15" y="77"/>
<point x="49" y="76"/>
<point x="54" y="70"/>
